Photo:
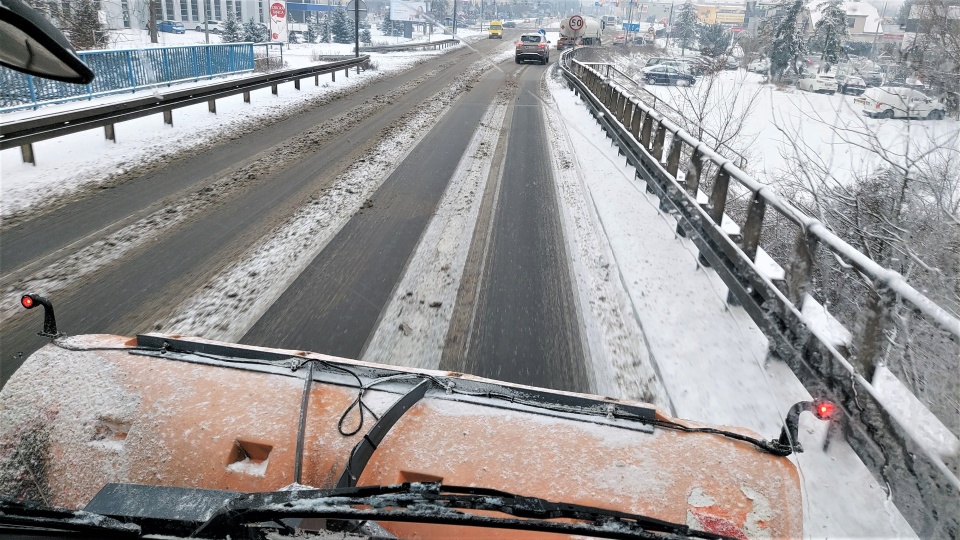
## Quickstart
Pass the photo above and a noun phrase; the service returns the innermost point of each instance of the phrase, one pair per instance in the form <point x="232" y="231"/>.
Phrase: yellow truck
<point x="496" y="30"/>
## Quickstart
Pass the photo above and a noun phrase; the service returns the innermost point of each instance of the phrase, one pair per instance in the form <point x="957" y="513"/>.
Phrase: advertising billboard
<point x="278" y="20"/>
<point x="406" y="10"/>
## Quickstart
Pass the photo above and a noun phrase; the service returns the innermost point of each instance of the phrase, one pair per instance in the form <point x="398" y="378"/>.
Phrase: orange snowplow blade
<point x="201" y="414"/>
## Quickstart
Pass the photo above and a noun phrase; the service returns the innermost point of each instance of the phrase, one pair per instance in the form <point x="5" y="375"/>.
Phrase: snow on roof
<point x="872" y="25"/>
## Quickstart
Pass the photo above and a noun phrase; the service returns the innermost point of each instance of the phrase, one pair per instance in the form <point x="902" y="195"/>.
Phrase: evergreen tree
<point x="830" y="31"/>
<point x="255" y="32"/>
<point x="439" y="10"/>
<point x="342" y="27"/>
<point x="788" y="45"/>
<point x="232" y="31"/>
<point x="310" y="36"/>
<point x="86" y="31"/>
<point x="685" y="26"/>
<point x="326" y="29"/>
<point x="389" y="27"/>
<point x="714" y="40"/>
<point x="365" y="36"/>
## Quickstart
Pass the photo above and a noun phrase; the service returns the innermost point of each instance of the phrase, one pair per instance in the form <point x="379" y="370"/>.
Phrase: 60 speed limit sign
<point x="576" y="23"/>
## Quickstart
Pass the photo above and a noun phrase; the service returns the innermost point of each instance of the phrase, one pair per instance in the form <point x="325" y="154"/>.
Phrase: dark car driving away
<point x="533" y="47"/>
<point x="663" y="74"/>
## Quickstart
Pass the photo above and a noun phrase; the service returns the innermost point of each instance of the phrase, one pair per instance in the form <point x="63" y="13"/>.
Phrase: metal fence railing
<point x="127" y="70"/>
<point x="922" y="481"/>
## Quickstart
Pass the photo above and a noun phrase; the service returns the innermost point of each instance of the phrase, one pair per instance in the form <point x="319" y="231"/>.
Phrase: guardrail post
<point x="691" y="180"/>
<point x="273" y="88"/>
<point x="753" y="226"/>
<point x="296" y="83"/>
<point x="316" y="80"/>
<point x="636" y="121"/>
<point x="246" y="97"/>
<point x="673" y="160"/>
<point x="869" y="342"/>
<point x="346" y="73"/>
<point x="799" y="268"/>
<point x="26" y="152"/>
<point x="718" y="198"/>
<point x="333" y="76"/>
<point x="645" y="132"/>
<point x="628" y="108"/>
<point x="168" y="117"/>
<point x="212" y="106"/>
<point x="658" y="142"/>
<point x="109" y="133"/>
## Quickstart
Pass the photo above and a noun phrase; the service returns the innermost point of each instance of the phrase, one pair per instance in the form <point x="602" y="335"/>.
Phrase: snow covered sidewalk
<point x="711" y="356"/>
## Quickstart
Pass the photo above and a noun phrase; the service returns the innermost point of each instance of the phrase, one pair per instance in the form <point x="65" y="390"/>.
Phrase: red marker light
<point x="27" y="301"/>
<point x="824" y="409"/>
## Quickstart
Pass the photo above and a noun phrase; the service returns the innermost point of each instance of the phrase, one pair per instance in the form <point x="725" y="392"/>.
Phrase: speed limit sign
<point x="576" y="23"/>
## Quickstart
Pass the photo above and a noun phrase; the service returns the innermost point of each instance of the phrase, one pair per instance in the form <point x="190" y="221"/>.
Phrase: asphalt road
<point x="523" y="324"/>
<point x="152" y="278"/>
<point x="522" y="321"/>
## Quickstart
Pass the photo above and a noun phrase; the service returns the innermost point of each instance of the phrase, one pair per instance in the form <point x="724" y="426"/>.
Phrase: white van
<point x="897" y="102"/>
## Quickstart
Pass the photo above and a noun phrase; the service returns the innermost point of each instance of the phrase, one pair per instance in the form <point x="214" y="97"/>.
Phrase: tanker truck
<point x="587" y="29"/>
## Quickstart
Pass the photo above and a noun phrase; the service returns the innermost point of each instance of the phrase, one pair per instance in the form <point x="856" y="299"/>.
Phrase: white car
<point x="898" y="102"/>
<point x="824" y="83"/>
<point x="214" y="26"/>
<point x="759" y="66"/>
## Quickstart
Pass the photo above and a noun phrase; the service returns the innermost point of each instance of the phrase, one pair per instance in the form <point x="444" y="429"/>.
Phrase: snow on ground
<point x="831" y="131"/>
<point x="413" y="326"/>
<point x="228" y="305"/>
<point x="711" y="355"/>
<point x="84" y="160"/>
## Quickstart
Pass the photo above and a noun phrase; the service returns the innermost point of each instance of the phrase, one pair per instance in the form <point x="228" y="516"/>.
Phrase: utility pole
<point x="152" y="21"/>
<point x="455" y="2"/>
<point x="356" y="28"/>
<point x="669" y="25"/>
<point x="206" y="23"/>
<point x="879" y="30"/>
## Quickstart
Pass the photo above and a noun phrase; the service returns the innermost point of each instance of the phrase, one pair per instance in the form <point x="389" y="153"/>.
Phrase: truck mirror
<point x="31" y="44"/>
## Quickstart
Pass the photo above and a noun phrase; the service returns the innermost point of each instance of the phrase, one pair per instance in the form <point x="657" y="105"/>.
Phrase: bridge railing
<point x="778" y="293"/>
<point x="127" y="70"/>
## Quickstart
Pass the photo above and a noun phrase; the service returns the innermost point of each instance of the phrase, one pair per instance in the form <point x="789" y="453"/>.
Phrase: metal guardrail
<point x="127" y="70"/>
<point x="427" y="45"/>
<point x="24" y="133"/>
<point x="611" y="73"/>
<point x="922" y="486"/>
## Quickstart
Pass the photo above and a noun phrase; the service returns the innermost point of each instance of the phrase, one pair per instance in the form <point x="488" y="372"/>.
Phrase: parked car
<point x="900" y="102"/>
<point x="533" y="47"/>
<point x="666" y="74"/>
<point x="759" y="66"/>
<point x="820" y="83"/>
<point x="214" y="26"/>
<point x="170" y="27"/>
<point x="850" y="84"/>
<point x="509" y="24"/>
<point x="872" y="78"/>
<point x="619" y="39"/>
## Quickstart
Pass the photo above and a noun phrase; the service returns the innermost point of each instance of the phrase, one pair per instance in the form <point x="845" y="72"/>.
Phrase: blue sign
<point x="597" y="4"/>
<point x="634" y="27"/>
<point x="542" y="32"/>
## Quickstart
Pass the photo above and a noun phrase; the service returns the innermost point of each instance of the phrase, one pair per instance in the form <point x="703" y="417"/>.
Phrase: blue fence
<point x="120" y="71"/>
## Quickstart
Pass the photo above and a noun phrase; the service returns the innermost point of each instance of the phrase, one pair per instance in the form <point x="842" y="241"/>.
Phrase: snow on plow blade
<point x="89" y="411"/>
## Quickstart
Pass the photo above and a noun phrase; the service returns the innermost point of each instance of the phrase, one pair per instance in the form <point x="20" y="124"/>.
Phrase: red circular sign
<point x="576" y="23"/>
<point x="277" y="10"/>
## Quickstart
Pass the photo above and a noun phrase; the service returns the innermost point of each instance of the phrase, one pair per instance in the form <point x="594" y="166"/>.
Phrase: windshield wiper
<point x="434" y="503"/>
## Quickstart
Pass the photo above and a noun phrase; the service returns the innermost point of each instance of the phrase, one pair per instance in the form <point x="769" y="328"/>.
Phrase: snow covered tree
<point x="389" y="27"/>
<point x="310" y="36"/>
<point x="255" y="32"/>
<point x="830" y="32"/>
<point x="788" y="44"/>
<point x="439" y="10"/>
<point x="365" y="36"/>
<point x="232" y="31"/>
<point x="685" y="26"/>
<point x="714" y="40"/>
<point x="86" y="31"/>
<point x="342" y="27"/>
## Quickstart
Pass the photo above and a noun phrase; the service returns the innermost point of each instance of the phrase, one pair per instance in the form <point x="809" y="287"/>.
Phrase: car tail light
<point x="542" y="45"/>
<point x="519" y="44"/>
